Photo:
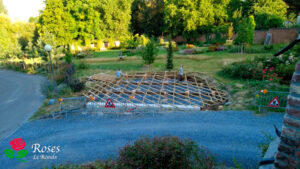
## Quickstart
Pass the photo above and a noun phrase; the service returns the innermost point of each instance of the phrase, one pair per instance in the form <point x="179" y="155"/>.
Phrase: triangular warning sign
<point x="109" y="104"/>
<point x="274" y="103"/>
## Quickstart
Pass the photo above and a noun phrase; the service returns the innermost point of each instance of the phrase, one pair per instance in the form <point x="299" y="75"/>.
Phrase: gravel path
<point x="20" y="97"/>
<point x="84" y="138"/>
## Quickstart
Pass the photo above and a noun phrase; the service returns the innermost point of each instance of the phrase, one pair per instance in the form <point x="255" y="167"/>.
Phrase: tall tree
<point x="2" y="8"/>
<point x="85" y="21"/>
<point x="147" y="17"/>
<point x="294" y="5"/>
<point x="56" y="19"/>
<point x="220" y="11"/>
<point x="9" y="46"/>
<point x="251" y="29"/>
<point x="271" y="7"/>
<point x="186" y="16"/>
<point x="170" y="65"/>
<point x="24" y="32"/>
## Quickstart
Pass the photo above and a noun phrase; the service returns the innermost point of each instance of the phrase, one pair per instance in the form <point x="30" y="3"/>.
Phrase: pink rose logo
<point x="18" y="145"/>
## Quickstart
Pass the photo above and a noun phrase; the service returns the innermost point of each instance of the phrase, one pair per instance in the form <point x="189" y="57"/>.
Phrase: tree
<point x="57" y="20"/>
<point x="220" y="12"/>
<point x="265" y="21"/>
<point x="251" y="29"/>
<point x="230" y="32"/>
<point x="3" y="9"/>
<point x="294" y="5"/>
<point x="24" y="32"/>
<point x="149" y="52"/>
<point x="147" y="17"/>
<point x="242" y="32"/>
<point x="9" y="46"/>
<point x="187" y="16"/>
<point x="170" y="55"/>
<point x="85" y="21"/>
<point x="271" y="7"/>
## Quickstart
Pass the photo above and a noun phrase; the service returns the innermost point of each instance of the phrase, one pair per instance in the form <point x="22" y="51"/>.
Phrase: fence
<point x="63" y="106"/>
<point x="270" y="100"/>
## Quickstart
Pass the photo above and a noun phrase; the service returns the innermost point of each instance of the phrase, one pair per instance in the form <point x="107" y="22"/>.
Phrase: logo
<point x="18" y="145"/>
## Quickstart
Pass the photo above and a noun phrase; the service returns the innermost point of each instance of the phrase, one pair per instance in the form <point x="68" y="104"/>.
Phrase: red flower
<point x="271" y="79"/>
<point x="17" y="144"/>
<point x="264" y="71"/>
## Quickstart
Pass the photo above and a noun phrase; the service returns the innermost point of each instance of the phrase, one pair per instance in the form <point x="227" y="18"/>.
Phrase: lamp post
<point x="48" y="48"/>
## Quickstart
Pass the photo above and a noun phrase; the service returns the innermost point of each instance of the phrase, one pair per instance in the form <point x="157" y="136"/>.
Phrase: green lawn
<point x="210" y="63"/>
<point x="107" y="54"/>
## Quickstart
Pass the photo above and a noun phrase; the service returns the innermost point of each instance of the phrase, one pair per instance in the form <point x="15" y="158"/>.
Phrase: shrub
<point x="190" y="46"/>
<point x="156" y="153"/>
<point x="68" y="57"/>
<point x="242" y="32"/>
<point x="65" y="91"/>
<point x="149" y="52"/>
<point x="82" y="55"/>
<point x="251" y="29"/>
<point x="190" y="51"/>
<point x="170" y="65"/>
<point x="269" y="68"/>
<point x="76" y="85"/>
<point x="164" y="152"/>
<point x="266" y="21"/>
<point x="82" y="65"/>
<point x="48" y="89"/>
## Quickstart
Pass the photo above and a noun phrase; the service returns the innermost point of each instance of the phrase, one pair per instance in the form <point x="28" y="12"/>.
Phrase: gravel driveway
<point x="20" y="97"/>
<point x="84" y="138"/>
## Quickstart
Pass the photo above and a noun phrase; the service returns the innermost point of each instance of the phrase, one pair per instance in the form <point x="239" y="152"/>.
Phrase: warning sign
<point x="109" y="104"/>
<point x="274" y="103"/>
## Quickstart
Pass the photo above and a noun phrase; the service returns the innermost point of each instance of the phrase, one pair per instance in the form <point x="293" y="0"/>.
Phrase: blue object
<point x="119" y="73"/>
<point x="51" y="102"/>
<point x="181" y="71"/>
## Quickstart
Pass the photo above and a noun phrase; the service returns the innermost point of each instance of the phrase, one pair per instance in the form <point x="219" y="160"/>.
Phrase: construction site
<point x="155" y="91"/>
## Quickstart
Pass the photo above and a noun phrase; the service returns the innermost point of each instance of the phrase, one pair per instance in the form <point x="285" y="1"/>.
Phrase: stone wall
<point x="278" y="36"/>
<point x="288" y="156"/>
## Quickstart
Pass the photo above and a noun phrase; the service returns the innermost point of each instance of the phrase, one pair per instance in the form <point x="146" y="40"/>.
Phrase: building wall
<point x="288" y="156"/>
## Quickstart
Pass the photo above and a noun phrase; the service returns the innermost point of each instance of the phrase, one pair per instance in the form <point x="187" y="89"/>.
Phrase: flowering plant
<point x="270" y="75"/>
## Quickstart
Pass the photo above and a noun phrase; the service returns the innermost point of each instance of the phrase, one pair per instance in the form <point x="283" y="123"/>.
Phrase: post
<point x="48" y="48"/>
<point x="52" y="69"/>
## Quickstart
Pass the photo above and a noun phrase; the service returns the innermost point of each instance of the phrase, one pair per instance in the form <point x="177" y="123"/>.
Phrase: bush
<point x="190" y="51"/>
<point x="149" y="52"/>
<point x="164" y="152"/>
<point x="76" y="85"/>
<point x="170" y="65"/>
<point x="269" y="68"/>
<point x="82" y="65"/>
<point x="156" y="153"/>
<point x="48" y="89"/>
<point x="68" y="57"/>
<point x="266" y="21"/>
<point x="82" y="55"/>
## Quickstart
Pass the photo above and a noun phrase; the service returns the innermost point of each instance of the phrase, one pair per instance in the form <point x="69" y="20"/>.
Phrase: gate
<point x="270" y="100"/>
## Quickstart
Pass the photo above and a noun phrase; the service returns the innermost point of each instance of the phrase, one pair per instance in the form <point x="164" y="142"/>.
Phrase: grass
<point x="107" y="54"/>
<point x="210" y="63"/>
<point x="42" y="111"/>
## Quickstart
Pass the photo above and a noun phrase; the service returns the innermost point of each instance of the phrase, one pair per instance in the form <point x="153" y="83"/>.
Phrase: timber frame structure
<point x="157" y="89"/>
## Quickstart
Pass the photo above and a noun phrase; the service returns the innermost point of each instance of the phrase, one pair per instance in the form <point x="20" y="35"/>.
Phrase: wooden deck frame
<point x="164" y="85"/>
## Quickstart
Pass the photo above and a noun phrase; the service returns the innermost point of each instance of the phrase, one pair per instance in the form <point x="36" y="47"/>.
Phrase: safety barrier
<point x="271" y="100"/>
